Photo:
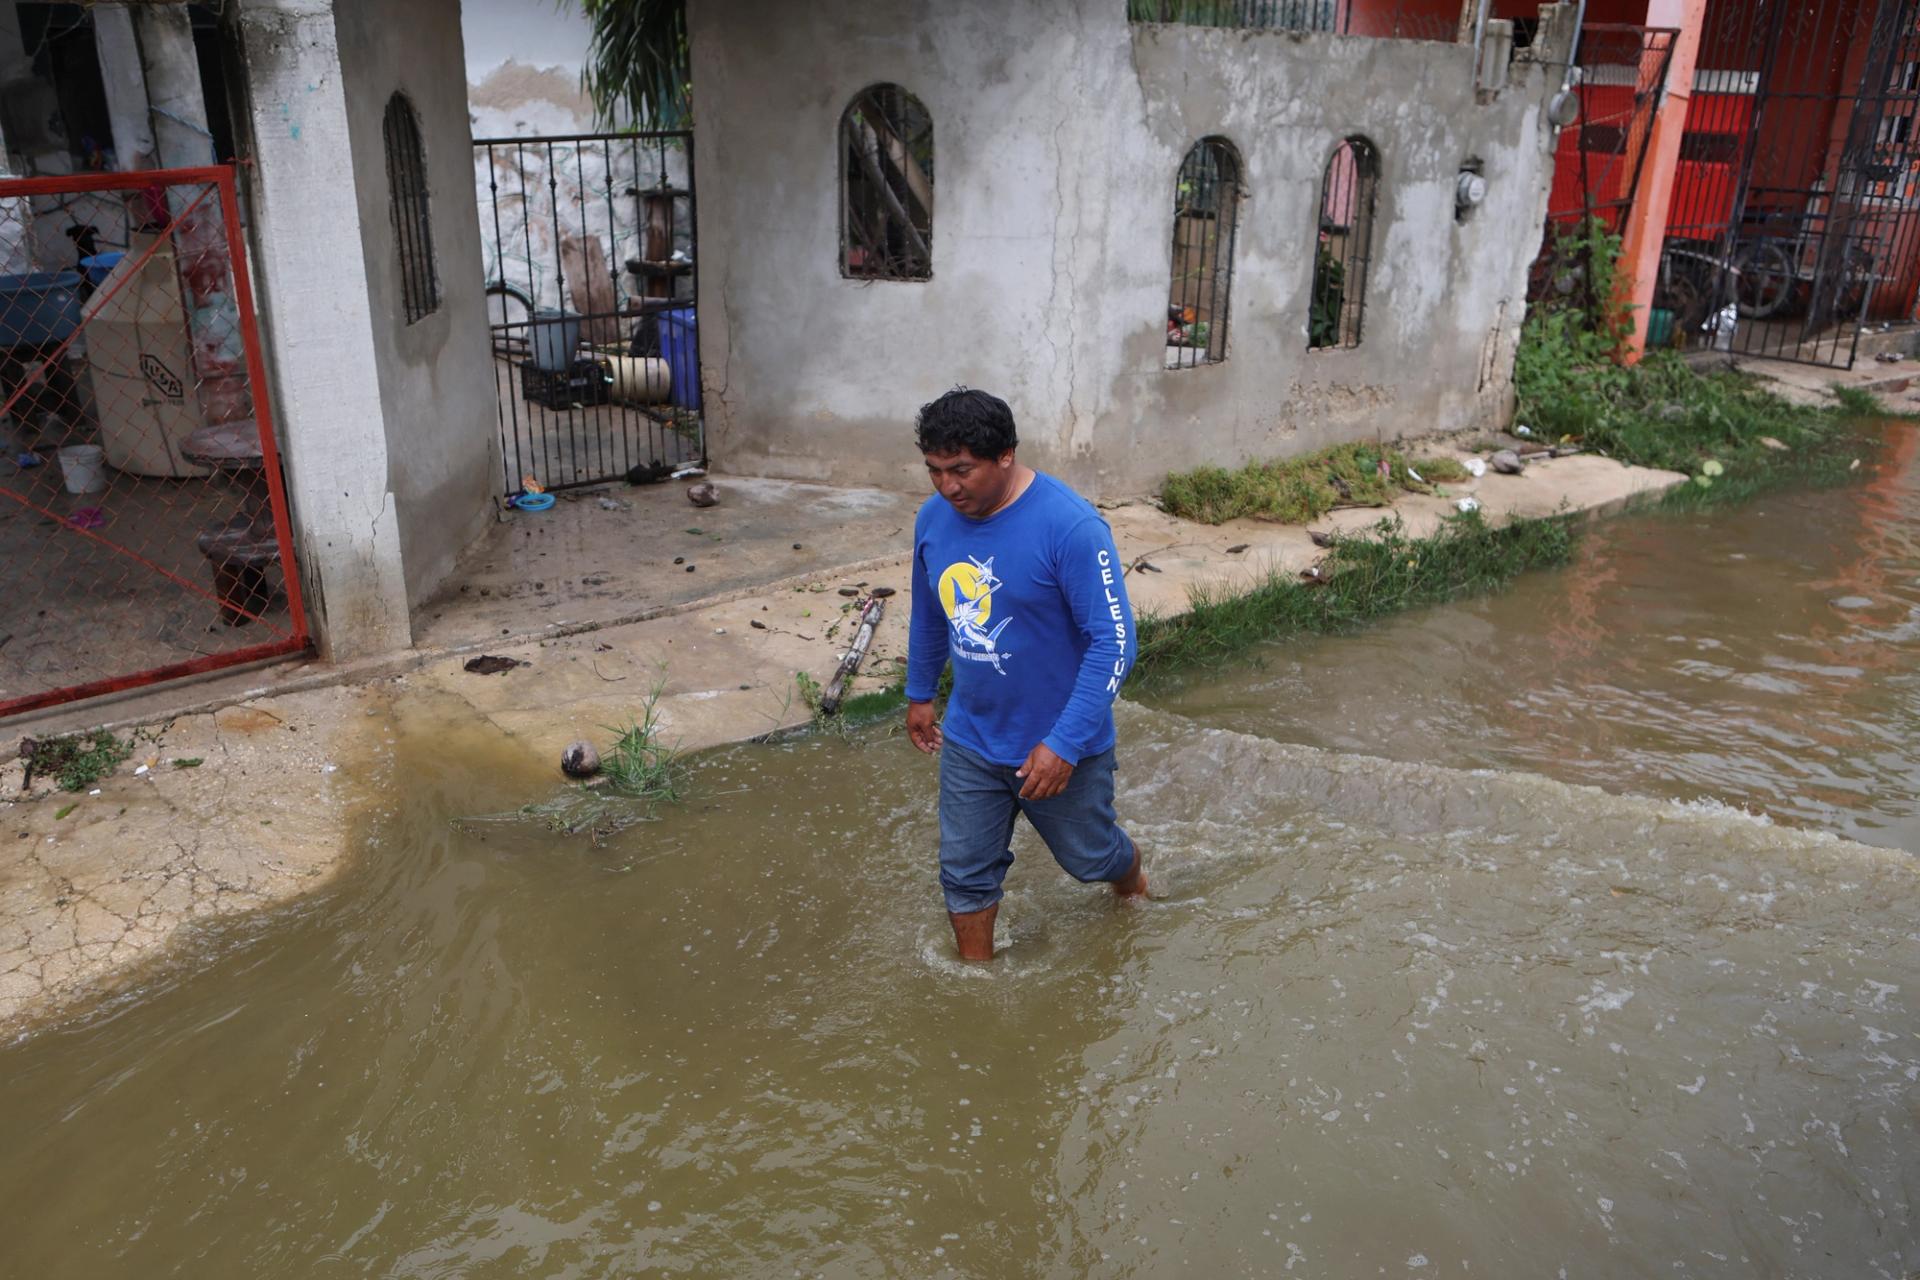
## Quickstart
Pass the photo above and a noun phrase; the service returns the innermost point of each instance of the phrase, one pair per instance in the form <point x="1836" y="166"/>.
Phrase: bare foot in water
<point x="1134" y="883"/>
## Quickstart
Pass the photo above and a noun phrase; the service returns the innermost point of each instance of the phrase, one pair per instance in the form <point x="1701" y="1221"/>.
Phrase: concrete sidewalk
<point x="92" y="886"/>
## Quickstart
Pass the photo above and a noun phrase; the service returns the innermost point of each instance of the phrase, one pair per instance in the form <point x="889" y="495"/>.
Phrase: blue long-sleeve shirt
<point x="1030" y="605"/>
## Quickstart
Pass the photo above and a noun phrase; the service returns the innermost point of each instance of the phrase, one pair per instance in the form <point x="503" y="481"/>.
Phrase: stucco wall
<point x="435" y="375"/>
<point x="1058" y="133"/>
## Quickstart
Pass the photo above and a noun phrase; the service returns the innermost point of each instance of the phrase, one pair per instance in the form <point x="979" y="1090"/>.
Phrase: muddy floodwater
<point x="1400" y="1006"/>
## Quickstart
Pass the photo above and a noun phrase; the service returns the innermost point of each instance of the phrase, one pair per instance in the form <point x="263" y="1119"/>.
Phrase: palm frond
<point x="637" y="67"/>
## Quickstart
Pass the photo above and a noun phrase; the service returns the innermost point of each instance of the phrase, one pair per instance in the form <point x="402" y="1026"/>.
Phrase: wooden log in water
<point x="850" y="664"/>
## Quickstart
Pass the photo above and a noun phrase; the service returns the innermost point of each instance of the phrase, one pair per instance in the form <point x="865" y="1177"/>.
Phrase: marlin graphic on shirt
<point x="967" y="592"/>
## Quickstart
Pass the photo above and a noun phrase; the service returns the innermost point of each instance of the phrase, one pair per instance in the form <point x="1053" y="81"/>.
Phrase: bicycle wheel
<point x="1766" y="279"/>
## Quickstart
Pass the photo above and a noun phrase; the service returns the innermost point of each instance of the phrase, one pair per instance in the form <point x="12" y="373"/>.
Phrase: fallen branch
<point x="850" y="664"/>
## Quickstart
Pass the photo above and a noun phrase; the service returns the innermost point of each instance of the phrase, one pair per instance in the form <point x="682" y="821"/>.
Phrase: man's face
<point x="975" y="486"/>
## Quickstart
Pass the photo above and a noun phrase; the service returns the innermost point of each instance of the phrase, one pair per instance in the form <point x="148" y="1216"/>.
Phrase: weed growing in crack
<point x="77" y="761"/>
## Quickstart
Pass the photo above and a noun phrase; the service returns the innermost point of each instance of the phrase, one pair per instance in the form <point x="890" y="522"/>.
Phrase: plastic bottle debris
<point x="1468" y="505"/>
<point x="1475" y="467"/>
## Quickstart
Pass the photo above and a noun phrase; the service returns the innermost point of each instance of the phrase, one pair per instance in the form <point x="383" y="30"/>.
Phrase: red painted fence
<point x="144" y="533"/>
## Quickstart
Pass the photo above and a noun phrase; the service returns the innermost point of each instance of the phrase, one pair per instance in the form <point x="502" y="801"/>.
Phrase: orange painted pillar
<point x="1645" y="233"/>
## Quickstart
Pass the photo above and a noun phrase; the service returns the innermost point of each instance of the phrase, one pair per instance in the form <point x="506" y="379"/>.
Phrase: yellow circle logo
<point x="961" y="584"/>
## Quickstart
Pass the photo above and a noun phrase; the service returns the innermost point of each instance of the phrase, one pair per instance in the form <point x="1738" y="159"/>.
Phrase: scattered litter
<point x="94" y="792"/>
<point x="1312" y="576"/>
<point x="1890" y="357"/>
<point x="28" y="460"/>
<point x="194" y="762"/>
<point x="139" y="770"/>
<point x="1475" y="467"/>
<point x="1854" y="465"/>
<point x="87" y="518"/>
<point x="685" y="472"/>
<point x="488" y="664"/>
<point x="1712" y="467"/>
<point x="1234" y="551"/>
<point x="1507" y="462"/>
<point x="1468" y="505"/>
<point x="719" y="631"/>
<point x="1523" y="430"/>
<point x="1417" y="477"/>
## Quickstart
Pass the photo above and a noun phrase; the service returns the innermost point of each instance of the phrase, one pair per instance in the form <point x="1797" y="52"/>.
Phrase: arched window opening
<point x="886" y="186"/>
<point x="1206" y="215"/>
<point x="412" y="220"/>
<point x="1344" y="247"/>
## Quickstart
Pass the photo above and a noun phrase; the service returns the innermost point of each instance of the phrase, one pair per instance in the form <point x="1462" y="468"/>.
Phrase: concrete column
<point x="316" y="319"/>
<point x="126" y="82"/>
<point x="1646" y="229"/>
<point x="178" y="119"/>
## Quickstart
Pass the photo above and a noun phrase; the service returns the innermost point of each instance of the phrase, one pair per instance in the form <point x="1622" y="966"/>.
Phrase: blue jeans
<point x="979" y="801"/>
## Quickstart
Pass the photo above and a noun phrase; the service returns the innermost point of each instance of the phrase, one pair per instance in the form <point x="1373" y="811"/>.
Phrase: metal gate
<point x="143" y="522"/>
<point x="1598" y="165"/>
<point x="1794" y="200"/>
<point x="591" y="257"/>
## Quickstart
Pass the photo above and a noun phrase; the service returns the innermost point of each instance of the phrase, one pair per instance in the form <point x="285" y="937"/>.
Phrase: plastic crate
<point x="584" y="384"/>
<point x="39" y="308"/>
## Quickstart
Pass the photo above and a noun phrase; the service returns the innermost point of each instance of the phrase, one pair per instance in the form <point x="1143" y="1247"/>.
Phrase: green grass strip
<point x="1368" y="576"/>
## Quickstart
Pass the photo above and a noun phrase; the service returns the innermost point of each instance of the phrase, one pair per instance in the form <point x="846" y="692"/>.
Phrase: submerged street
<point x="1439" y="1018"/>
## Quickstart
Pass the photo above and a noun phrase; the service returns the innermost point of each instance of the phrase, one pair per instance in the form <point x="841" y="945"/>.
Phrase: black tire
<point x="1766" y="279"/>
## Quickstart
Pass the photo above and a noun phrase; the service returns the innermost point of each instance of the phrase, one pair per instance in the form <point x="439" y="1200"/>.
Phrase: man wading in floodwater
<point x="1016" y="579"/>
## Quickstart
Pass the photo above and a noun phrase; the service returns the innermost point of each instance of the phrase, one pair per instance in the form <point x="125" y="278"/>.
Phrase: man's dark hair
<point x="980" y="424"/>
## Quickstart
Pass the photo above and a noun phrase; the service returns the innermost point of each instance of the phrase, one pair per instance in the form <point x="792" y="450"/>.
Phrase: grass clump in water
<point x="1722" y="428"/>
<point x="1366" y="577"/>
<point x="1296" y="490"/>
<point x="78" y="760"/>
<point x="638" y="772"/>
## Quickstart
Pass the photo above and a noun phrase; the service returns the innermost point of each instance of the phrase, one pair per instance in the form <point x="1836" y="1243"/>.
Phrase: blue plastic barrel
<point x="38" y="308"/>
<point x="680" y="348"/>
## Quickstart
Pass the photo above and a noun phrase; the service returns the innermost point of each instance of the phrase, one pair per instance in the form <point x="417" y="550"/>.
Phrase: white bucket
<point x="84" y="468"/>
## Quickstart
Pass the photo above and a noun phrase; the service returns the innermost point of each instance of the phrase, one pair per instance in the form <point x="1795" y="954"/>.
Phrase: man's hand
<point x="922" y="731"/>
<point x="1045" y="772"/>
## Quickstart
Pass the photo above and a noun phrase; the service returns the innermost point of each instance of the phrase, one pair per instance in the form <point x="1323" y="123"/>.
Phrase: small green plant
<point x="77" y="761"/>
<point x="809" y="689"/>
<point x="1328" y="299"/>
<point x="639" y="766"/>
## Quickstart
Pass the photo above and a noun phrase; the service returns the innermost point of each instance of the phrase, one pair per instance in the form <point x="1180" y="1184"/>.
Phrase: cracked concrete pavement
<point x="97" y="890"/>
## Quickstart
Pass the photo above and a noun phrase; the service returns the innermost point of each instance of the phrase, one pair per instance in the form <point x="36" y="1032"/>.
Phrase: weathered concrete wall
<point x="319" y="327"/>
<point x="1058" y="132"/>
<point x="436" y="375"/>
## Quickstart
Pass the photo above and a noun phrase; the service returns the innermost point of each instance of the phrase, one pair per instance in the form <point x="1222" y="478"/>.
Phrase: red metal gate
<point x="143" y="519"/>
